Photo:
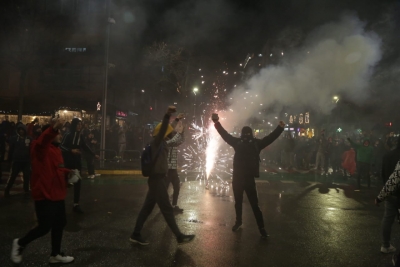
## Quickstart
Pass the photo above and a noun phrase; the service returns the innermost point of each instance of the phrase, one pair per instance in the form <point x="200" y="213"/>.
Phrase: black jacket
<point x="20" y="146"/>
<point x="246" y="160"/>
<point x="390" y="160"/>
<point x="73" y="140"/>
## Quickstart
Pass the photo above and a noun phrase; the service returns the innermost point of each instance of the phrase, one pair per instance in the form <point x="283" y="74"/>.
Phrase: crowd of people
<point x="359" y="155"/>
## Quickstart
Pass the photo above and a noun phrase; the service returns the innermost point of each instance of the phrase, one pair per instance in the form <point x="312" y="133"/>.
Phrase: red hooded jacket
<point x="48" y="180"/>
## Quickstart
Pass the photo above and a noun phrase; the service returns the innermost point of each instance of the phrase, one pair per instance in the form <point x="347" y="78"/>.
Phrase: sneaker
<point x="77" y="209"/>
<point x="16" y="252"/>
<point x="236" y="226"/>
<point x="91" y="177"/>
<point x="138" y="239"/>
<point x="263" y="233"/>
<point x="177" y="209"/>
<point x="60" y="258"/>
<point x="388" y="250"/>
<point x="395" y="261"/>
<point x="182" y="239"/>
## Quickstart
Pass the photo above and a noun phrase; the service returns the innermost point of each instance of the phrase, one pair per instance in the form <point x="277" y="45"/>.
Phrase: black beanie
<point x="247" y="130"/>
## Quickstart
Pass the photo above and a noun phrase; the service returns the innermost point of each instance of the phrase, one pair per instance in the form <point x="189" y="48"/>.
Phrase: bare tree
<point x="171" y="61"/>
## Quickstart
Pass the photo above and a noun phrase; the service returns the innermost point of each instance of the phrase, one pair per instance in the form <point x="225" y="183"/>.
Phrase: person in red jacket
<point x="49" y="188"/>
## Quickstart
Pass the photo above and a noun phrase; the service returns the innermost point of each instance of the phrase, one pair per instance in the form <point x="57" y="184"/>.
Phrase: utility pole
<point x="104" y="112"/>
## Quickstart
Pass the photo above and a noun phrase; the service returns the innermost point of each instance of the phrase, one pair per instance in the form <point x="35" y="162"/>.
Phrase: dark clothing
<point x="173" y="177"/>
<point x="16" y="168"/>
<point x="90" y="164"/>
<point x="245" y="167"/>
<point x="251" y="191"/>
<point x="157" y="194"/>
<point x="389" y="163"/>
<point x="74" y="140"/>
<point x="363" y="172"/>
<point x="51" y="216"/>
<point x="246" y="160"/>
<point x="20" y="148"/>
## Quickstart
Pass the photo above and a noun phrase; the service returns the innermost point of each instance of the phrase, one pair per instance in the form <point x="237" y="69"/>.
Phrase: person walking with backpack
<point x="172" y="175"/>
<point x="157" y="193"/>
<point x="246" y="167"/>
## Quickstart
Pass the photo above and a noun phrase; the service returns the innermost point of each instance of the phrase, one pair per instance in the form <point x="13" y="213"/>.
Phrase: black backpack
<point x="146" y="160"/>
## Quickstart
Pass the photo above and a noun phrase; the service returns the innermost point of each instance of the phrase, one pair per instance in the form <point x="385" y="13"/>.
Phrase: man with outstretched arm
<point x="49" y="188"/>
<point x="157" y="189"/>
<point x="246" y="163"/>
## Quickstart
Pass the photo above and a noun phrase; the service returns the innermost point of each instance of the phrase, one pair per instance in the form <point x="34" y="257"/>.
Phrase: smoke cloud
<point x="335" y="59"/>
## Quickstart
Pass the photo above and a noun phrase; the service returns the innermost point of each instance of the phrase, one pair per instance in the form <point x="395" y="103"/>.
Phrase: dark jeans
<point x="173" y="177"/>
<point x="50" y="216"/>
<point x="363" y="172"/>
<point x="16" y="168"/>
<point x="90" y="164"/>
<point x="157" y="194"/>
<point x="249" y="186"/>
<point x="75" y="163"/>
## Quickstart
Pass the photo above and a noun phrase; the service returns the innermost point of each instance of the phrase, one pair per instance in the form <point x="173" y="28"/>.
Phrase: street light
<point x="336" y="98"/>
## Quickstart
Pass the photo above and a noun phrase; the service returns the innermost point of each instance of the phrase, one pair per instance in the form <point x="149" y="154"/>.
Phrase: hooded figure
<point x="71" y="146"/>
<point x="246" y="163"/>
<point x="20" y="145"/>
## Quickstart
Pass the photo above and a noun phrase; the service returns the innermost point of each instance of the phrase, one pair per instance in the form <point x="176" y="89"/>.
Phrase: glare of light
<point x="195" y="89"/>
<point x="65" y="111"/>
<point x="223" y="72"/>
<point x="282" y="53"/>
<point x="335" y="97"/>
<point x="142" y="91"/>
<point x="234" y="85"/>
<point x="247" y="92"/>
<point x="199" y="69"/>
<point x="234" y="72"/>
<point x="175" y="103"/>
<point x="249" y="57"/>
<point x="201" y="76"/>
<point x="260" y="104"/>
<point x="240" y="64"/>
<point x="276" y="117"/>
<point x="212" y="148"/>
<point x="270" y="55"/>
<point x="260" y="55"/>
<point x="202" y="82"/>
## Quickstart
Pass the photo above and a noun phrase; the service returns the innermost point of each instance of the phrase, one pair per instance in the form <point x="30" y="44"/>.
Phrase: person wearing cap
<point x="246" y="163"/>
<point x="49" y="189"/>
<point x="157" y="193"/>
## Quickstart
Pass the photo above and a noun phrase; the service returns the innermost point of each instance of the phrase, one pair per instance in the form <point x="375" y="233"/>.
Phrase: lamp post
<point x="195" y="90"/>
<point x="104" y="111"/>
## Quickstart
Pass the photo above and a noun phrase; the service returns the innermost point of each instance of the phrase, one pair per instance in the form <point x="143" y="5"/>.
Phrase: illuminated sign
<point x="120" y="113"/>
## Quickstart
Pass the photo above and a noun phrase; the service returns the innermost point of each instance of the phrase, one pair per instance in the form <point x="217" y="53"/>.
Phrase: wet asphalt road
<point x="310" y="224"/>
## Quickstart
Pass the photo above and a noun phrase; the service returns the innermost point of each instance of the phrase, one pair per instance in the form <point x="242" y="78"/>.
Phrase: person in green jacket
<point x="365" y="154"/>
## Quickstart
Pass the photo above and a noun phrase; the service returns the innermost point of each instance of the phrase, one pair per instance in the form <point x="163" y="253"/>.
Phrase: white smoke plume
<point x="335" y="59"/>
